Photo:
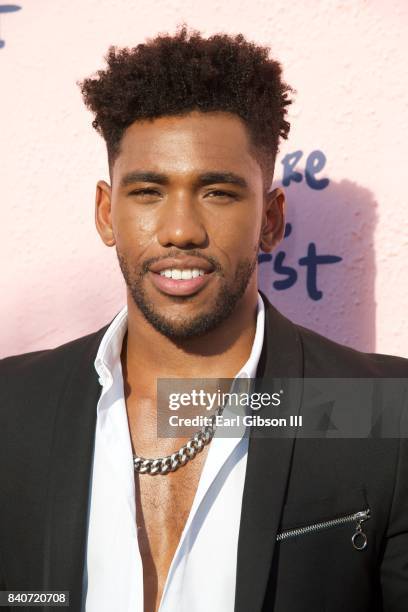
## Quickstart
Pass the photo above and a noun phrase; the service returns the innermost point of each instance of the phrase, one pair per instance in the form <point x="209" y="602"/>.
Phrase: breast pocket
<point x="324" y="554"/>
<point x="349" y="510"/>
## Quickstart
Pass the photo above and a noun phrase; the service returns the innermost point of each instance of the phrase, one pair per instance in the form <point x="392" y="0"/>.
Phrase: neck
<point x="147" y="354"/>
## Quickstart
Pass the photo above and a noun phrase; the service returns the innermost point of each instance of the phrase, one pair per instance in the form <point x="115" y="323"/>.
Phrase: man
<point x="91" y="502"/>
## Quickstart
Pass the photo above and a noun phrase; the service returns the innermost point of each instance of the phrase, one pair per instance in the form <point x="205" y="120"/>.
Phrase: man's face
<point x="187" y="214"/>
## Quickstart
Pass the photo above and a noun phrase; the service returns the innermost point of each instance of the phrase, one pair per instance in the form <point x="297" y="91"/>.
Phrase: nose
<point x="181" y="224"/>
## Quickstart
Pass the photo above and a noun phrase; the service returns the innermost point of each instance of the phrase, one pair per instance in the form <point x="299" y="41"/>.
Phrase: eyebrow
<point x="207" y="178"/>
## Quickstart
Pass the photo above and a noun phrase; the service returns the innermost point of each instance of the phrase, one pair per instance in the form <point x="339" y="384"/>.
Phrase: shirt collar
<point x="248" y="370"/>
<point x="110" y="348"/>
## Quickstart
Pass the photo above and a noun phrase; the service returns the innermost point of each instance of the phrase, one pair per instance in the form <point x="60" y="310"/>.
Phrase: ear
<point x="103" y="217"/>
<point x="273" y="226"/>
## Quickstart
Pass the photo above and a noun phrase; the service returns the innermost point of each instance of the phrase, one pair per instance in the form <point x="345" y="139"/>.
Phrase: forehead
<point x="187" y="144"/>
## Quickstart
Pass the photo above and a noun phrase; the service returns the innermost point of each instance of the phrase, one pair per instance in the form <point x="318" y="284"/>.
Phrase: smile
<point x="177" y="282"/>
<point x="185" y="274"/>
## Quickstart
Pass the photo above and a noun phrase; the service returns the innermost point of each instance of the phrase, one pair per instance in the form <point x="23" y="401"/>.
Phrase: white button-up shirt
<point x="203" y="571"/>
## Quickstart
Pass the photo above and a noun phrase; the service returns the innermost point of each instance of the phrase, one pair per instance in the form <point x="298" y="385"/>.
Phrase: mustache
<point x="181" y="255"/>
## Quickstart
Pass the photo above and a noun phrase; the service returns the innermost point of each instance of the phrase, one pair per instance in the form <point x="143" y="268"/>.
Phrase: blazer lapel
<point x="69" y="478"/>
<point x="268" y="464"/>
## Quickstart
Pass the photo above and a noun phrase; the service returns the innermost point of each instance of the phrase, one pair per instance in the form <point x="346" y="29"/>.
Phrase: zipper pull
<point x="359" y="539"/>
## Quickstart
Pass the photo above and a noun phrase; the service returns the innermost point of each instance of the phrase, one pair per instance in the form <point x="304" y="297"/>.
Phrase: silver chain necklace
<point x="171" y="463"/>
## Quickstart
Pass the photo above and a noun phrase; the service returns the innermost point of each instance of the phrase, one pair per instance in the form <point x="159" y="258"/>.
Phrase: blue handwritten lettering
<point x="315" y="163"/>
<point x="7" y="8"/>
<point x="289" y="174"/>
<point x="311" y="261"/>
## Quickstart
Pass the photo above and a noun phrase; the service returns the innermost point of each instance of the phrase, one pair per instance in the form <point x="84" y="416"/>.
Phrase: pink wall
<point x="347" y="61"/>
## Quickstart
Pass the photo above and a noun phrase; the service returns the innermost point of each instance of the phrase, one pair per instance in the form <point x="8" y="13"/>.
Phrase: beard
<point x="183" y="328"/>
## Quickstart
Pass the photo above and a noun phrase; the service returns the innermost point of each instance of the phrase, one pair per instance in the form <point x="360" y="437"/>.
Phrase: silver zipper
<point x="359" y="538"/>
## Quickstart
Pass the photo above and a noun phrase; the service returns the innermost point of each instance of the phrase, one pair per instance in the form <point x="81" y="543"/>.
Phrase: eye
<point x="221" y="194"/>
<point x="147" y="191"/>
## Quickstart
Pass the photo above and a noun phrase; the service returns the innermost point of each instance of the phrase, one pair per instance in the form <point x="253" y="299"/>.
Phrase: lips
<point x="185" y="263"/>
<point x="181" y="276"/>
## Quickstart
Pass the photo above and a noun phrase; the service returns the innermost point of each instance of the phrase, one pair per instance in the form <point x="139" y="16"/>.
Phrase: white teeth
<point x="177" y="274"/>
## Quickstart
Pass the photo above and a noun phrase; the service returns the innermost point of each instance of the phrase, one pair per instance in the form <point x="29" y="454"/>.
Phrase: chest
<point x="163" y="504"/>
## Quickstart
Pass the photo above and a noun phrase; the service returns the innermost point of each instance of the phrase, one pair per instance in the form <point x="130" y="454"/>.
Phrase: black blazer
<point x="47" y="425"/>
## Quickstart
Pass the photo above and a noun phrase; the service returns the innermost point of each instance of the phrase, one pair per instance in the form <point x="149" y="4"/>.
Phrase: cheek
<point x="133" y="230"/>
<point x="238" y="234"/>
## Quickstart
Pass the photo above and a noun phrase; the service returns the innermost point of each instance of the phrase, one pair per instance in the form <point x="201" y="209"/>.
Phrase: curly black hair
<point x="174" y="75"/>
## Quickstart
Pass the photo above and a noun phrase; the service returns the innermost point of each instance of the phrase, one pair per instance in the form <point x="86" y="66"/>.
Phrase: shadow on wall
<point x="322" y="275"/>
